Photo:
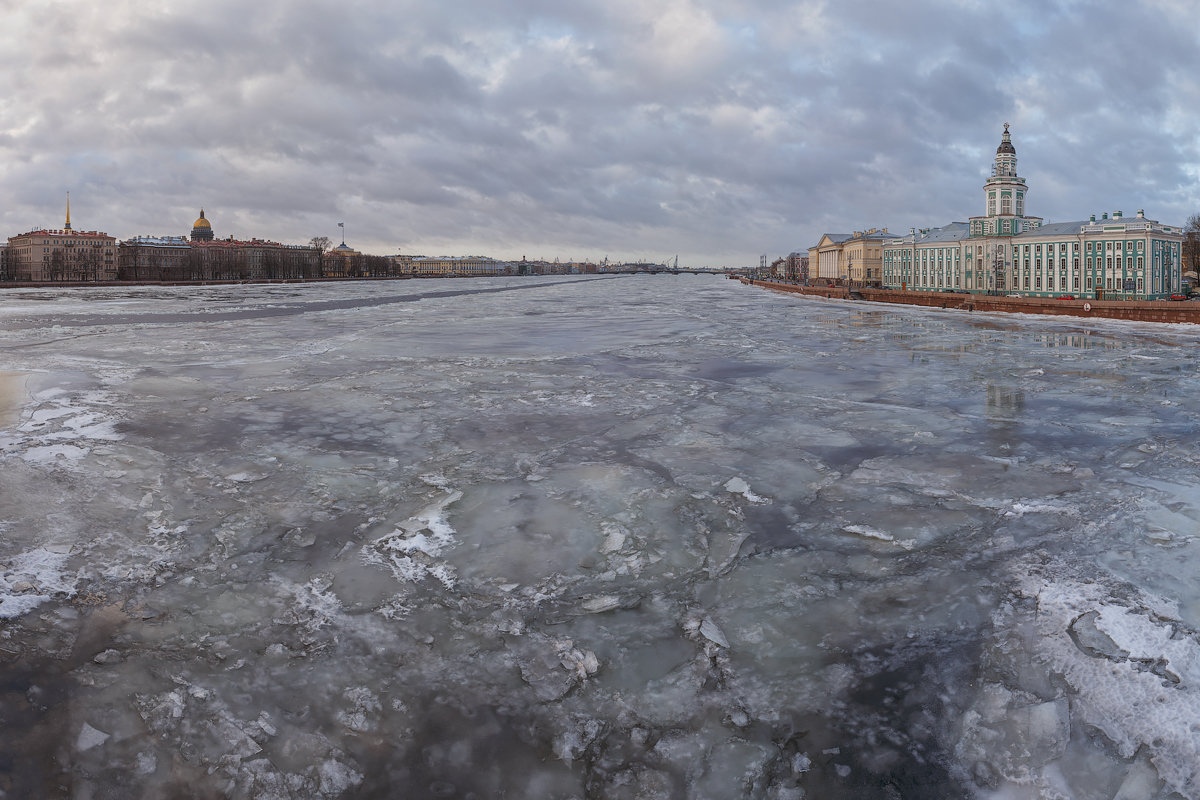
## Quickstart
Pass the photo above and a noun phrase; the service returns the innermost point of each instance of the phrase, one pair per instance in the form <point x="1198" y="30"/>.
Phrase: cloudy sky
<point x="717" y="130"/>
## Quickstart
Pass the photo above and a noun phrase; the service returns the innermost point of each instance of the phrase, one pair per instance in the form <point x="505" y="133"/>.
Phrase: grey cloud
<point x="723" y="129"/>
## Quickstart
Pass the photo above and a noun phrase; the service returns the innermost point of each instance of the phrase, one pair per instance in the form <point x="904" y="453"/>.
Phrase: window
<point x="1006" y="205"/>
<point x="1139" y="262"/>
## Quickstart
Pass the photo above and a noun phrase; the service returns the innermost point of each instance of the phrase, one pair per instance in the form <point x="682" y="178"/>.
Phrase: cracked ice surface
<point x="641" y="537"/>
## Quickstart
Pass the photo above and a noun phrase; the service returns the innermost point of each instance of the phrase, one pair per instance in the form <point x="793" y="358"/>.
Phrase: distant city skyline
<point x="633" y="131"/>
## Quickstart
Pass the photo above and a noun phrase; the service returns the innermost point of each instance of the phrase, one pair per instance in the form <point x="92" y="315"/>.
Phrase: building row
<point x="67" y="254"/>
<point x="1007" y="251"/>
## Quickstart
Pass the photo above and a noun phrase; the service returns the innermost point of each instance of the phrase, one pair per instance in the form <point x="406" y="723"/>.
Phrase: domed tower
<point x="1004" y="196"/>
<point x="1005" y="190"/>
<point x="201" y="230"/>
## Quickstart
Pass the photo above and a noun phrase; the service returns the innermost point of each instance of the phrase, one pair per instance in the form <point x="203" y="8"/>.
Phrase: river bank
<point x="1133" y="310"/>
<point x="211" y="282"/>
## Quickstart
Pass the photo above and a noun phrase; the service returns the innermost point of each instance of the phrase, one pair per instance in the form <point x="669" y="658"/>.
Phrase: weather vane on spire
<point x="1006" y="127"/>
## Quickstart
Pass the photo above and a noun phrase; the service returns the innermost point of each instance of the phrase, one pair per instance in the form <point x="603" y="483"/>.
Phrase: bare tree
<point x="321" y="243"/>
<point x="272" y="265"/>
<point x="58" y="264"/>
<point x="1191" y="245"/>
<point x="89" y="263"/>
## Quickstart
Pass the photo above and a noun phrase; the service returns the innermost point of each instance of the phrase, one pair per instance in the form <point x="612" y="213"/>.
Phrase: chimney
<point x="1093" y="219"/>
<point x="1141" y="213"/>
<point x="1104" y="215"/>
<point x="1117" y="215"/>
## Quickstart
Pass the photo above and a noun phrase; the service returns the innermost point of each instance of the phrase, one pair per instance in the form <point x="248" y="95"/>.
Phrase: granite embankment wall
<point x="1136" y="310"/>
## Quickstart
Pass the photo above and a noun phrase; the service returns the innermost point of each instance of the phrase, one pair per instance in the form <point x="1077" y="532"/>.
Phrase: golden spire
<point x="68" y="226"/>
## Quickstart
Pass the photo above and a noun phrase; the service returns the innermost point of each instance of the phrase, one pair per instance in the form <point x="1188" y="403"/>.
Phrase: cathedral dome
<point x="201" y="229"/>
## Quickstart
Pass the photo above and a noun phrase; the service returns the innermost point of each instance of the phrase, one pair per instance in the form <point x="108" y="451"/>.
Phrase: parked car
<point x="1179" y="297"/>
<point x="1065" y="297"/>
<point x="1012" y="295"/>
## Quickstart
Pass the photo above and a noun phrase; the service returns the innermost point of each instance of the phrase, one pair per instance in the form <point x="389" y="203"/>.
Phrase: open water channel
<point x="592" y="537"/>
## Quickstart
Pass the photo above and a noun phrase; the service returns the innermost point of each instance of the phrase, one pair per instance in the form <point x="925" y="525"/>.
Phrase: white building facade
<point x="1007" y="252"/>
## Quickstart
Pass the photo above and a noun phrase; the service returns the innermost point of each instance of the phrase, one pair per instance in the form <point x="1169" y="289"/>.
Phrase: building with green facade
<point x="1007" y="252"/>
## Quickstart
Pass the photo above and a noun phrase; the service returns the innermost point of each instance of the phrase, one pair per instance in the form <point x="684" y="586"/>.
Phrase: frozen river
<point x="592" y="537"/>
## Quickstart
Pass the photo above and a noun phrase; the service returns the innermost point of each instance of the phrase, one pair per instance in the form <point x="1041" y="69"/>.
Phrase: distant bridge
<point x="648" y="269"/>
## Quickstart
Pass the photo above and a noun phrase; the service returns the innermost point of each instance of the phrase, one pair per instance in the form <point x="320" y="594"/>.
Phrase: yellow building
<point x="825" y="258"/>
<point x="856" y="258"/>
<point x="457" y="267"/>
<point x="343" y="261"/>
<point x="62" y="255"/>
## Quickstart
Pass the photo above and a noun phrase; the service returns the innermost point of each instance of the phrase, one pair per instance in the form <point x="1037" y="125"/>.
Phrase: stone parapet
<point x="1133" y="310"/>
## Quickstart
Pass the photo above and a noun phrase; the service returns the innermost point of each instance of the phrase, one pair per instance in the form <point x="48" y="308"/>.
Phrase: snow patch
<point x="739" y="486"/>
<point x="31" y="578"/>
<point x="90" y="737"/>
<point x="875" y="533"/>
<point x="410" y="550"/>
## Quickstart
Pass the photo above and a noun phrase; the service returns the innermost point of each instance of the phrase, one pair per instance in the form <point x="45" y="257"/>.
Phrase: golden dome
<point x="202" y="222"/>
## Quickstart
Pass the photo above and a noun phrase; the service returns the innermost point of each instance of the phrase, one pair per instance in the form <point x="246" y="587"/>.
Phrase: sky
<point x="711" y="130"/>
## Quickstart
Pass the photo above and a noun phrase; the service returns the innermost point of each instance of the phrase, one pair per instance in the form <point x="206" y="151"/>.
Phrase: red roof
<point x="63" y="234"/>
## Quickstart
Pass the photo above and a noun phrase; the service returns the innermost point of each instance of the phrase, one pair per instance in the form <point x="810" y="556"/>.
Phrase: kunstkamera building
<point x="1007" y="252"/>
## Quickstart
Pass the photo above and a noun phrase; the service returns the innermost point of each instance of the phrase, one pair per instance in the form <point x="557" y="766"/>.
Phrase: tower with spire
<point x="67" y="226"/>
<point x="1004" y="194"/>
